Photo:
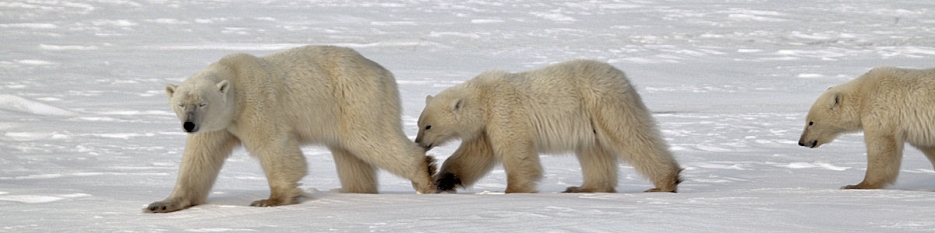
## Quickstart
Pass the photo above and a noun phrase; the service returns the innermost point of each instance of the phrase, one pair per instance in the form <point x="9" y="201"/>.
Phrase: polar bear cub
<point x="273" y="104"/>
<point x="583" y="106"/>
<point x="891" y="105"/>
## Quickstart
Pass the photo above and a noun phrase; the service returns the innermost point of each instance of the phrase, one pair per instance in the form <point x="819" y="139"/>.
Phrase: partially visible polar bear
<point x="583" y="106"/>
<point x="273" y="104"/>
<point x="891" y="105"/>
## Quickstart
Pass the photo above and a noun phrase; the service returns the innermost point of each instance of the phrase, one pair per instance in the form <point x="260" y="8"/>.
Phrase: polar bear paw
<point x="274" y="202"/>
<point x="166" y="206"/>
<point x="862" y="186"/>
<point x="447" y="183"/>
<point x="575" y="189"/>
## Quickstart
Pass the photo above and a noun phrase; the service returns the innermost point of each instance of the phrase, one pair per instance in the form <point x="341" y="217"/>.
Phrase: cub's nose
<point x="189" y="127"/>
<point x="809" y="144"/>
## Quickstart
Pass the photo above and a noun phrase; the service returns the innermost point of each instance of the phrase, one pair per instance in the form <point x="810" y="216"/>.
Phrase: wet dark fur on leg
<point x="447" y="183"/>
<point x="430" y="162"/>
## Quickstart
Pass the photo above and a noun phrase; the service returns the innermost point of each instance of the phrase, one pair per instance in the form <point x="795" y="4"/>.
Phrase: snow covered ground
<point x="87" y="138"/>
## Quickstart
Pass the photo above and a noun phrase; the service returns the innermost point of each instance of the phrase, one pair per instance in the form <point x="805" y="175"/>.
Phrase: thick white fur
<point x="273" y="104"/>
<point x="891" y="105"/>
<point x="583" y="106"/>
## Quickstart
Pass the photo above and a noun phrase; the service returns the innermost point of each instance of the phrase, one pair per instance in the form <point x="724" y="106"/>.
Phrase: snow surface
<point x="87" y="138"/>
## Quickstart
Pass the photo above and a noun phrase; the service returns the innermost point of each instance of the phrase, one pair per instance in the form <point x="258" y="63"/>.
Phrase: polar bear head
<point x="203" y="102"/>
<point x="454" y="113"/>
<point x="832" y="114"/>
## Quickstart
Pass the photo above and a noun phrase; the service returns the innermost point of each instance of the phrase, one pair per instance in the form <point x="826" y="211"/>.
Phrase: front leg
<point x="201" y="162"/>
<point x="520" y="161"/>
<point x="473" y="159"/>
<point x="598" y="168"/>
<point x="884" y="154"/>
<point x="284" y="165"/>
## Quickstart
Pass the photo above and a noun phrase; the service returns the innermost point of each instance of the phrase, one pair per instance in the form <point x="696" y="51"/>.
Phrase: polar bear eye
<point x="811" y="123"/>
<point x="201" y="105"/>
<point x="427" y="127"/>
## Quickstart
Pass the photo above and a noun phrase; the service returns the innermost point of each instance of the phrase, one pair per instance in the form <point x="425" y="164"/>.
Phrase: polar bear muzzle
<point x="190" y="127"/>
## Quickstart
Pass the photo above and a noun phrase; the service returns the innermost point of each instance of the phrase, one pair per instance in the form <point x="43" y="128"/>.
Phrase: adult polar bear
<point x="583" y="106"/>
<point x="891" y="105"/>
<point x="273" y="104"/>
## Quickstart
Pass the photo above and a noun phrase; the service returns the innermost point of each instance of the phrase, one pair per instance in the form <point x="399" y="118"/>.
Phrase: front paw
<point x="574" y="189"/>
<point x="263" y="203"/>
<point x="861" y="186"/>
<point x="447" y="183"/>
<point x="275" y="202"/>
<point x="166" y="206"/>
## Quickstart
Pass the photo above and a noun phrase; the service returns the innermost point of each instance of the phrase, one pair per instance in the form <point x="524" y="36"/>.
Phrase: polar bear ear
<point x="170" y="90"/>
<point x="457" y="105"/>
<point x="836" y="101"/>
<point x="223" y="86"/>
<point x="428" y="99"/>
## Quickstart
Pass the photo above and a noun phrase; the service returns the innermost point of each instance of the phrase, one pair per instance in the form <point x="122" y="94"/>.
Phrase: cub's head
<point x="203" y="102"/>
<point x="832" y="113"/>
<point x="453" y="114"/>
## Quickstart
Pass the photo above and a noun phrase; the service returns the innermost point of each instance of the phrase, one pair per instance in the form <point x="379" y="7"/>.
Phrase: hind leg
<point x="599" y="169"/>
<point x="356" y="175"/>
<point x="403" y="158"/>
<point x="520" y="161"/>
<point x="633" y="136"/>
<point x="473" y="159"/>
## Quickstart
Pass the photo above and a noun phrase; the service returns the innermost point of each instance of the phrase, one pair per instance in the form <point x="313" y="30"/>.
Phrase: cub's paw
<point x="165" y="207"/>
<point x="263" y="203"/>
<point x="274" y="202"/>
<point x="574" y="189"/>
<point x="861" y="186"/>
<point x="659" y="190"/>
<point x="447" y="183"/>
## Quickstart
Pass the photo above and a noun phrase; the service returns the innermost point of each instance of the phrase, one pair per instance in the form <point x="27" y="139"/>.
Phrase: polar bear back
<point x="561" y="100"/>
<point x="316" y="86"/>
<point x="896" y="99"/>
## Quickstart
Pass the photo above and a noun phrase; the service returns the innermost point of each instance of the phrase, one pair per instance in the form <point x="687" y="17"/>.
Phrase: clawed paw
<point x="275" y="202"/>
<point x="859" y="186"/>
<point x="164" y="207"/>
<point x="574" y="189"/>
<point x="447" y="183"/>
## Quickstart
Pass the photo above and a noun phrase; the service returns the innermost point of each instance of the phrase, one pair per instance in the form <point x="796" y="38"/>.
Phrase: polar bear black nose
<point x="189" y="126"/>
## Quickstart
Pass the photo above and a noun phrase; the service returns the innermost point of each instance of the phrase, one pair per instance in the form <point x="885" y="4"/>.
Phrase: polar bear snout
<point x="190" y="127"/>
<point x="425" y="146"/>
<point x="810" y="144"/>
<point x="807" y="141"/>
<point x="419" y="140"/>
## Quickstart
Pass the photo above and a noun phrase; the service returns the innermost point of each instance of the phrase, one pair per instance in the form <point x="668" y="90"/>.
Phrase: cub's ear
<point x="170" y="90"/>
<point x="457" y="104"/>
<point x="836" y="100"/>
<point x="223" y="86"/>
<point x="428" y="99"/>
